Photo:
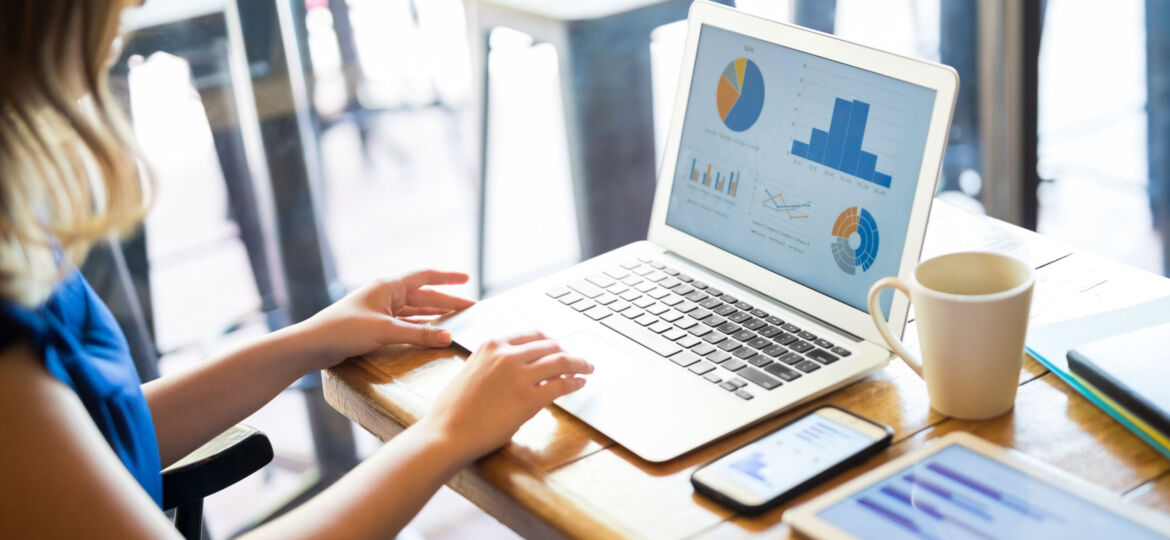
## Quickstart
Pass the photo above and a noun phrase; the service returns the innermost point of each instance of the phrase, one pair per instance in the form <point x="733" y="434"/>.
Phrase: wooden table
<point x="561" y="477"/>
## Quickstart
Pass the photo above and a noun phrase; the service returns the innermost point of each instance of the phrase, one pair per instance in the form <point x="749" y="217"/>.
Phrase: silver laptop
<point x="799" y="169"/>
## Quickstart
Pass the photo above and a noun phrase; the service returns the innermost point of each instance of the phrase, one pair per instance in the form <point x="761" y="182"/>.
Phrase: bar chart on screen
<point x="847" y="125"/>
<point x="709" y="175"/>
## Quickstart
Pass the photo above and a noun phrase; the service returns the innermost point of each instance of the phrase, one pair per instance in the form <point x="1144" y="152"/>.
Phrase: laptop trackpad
<point x="617" y="377"/>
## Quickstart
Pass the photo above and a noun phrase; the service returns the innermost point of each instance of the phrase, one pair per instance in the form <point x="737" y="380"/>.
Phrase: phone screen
<point x="759" y="472"/>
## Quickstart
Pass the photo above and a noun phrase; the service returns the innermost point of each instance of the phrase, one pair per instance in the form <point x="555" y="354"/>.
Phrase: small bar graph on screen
<point x="840" y="147"/>
<point x="724" y="183"/>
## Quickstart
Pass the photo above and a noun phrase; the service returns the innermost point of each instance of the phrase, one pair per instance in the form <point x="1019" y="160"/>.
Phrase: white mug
<point x="972" y="315"/>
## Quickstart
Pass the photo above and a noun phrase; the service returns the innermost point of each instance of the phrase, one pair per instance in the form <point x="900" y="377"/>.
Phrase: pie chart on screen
<point x="740" y="95"/>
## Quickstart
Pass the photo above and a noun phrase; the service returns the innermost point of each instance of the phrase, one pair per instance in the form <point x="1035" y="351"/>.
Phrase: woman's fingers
<point x="414" y="311"/>
<point x="555" y="388"/>
<point x="434" y="277"/>
<point x="400" y="331"/>
<point x="553" y="366"/>
<point x="526" y="353"/>
<point x="416" y="320"/>
<point x="527" y="337"/>
<point x="436" y="299"/>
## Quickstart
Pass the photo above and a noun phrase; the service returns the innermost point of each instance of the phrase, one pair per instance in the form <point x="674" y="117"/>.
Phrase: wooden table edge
<point x="494" y="483"/>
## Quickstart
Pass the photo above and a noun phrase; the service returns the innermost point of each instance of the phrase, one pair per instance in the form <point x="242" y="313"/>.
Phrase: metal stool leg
<point x="482" y="51"/>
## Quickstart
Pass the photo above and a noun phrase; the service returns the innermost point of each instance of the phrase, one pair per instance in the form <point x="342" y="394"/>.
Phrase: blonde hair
<point x="69" y="172"/>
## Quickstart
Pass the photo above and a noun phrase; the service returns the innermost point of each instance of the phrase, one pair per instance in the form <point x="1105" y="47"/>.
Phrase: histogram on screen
<point x="840" y="147"/>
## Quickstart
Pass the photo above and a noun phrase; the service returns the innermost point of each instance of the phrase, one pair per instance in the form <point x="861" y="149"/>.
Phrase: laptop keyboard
<point x="726" y="341"/>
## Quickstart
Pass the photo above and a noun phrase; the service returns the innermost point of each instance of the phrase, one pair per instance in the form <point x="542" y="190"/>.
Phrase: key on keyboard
<point x="644" y="337"/>
<point x="588" y="289"/>
<point x="758" y="377"/>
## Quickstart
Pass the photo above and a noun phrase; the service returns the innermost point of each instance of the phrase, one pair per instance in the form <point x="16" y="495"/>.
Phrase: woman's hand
<point x="503" y="384"/>
<point x="384" y="313"/>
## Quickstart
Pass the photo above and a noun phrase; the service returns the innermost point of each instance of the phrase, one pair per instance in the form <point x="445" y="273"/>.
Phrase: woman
<point x="83" y="443"/>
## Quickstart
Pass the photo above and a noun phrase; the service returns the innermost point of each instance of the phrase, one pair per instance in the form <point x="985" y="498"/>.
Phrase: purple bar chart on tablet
<point x="960" y="494"/>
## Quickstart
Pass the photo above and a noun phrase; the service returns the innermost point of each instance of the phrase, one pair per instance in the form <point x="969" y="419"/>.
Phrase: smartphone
<point x="790" y="460"/>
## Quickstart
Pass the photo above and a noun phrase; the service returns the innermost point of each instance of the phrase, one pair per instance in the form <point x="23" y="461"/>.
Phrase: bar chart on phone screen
<point x="847" y="128"/>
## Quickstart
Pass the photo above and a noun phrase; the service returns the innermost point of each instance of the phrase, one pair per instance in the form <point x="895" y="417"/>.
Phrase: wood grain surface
<point x="559" y="477"/>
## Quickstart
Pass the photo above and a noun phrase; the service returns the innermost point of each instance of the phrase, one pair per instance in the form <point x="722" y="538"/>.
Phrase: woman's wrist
<point x="301" y="346"/>
<point x="443" y="444"/>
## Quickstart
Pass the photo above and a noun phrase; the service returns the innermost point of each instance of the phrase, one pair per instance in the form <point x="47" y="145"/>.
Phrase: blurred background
<point x="304" y="147"/>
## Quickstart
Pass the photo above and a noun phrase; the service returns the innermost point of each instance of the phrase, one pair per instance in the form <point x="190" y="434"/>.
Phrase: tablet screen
<point x="958" y="494"/>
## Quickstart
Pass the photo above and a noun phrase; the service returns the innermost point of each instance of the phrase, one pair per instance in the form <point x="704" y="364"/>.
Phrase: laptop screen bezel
<point x="943" y="80"/>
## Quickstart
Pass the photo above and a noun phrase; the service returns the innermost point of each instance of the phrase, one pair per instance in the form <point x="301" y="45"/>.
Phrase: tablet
<point x="963" y="487"/>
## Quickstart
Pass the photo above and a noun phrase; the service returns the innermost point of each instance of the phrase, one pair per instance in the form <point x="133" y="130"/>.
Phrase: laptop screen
<point x="802" y="165"/>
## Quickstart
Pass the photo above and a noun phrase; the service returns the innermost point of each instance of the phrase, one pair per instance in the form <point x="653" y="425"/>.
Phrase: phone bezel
<point x="733" y="495"/>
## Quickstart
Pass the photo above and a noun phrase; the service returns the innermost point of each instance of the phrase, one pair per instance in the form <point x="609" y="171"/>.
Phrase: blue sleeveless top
<point x="82" y="346"/>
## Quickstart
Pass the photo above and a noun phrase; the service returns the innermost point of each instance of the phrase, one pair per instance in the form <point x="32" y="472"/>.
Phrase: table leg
<point x="1158" y="119"/>
<point x="958" y="45"/>
<point x="820" y="15"/>
<point x="605" y="82"/>
<point x="242" y="199"/>
<point x="291" y="151"/>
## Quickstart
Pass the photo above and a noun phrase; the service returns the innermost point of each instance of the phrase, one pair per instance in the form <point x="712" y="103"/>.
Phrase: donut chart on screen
<point x="855" y="240"/>
<point x="740" y="95"/>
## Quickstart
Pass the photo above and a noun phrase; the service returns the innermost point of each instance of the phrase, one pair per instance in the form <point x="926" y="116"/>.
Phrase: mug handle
<point x="884" y="329"/>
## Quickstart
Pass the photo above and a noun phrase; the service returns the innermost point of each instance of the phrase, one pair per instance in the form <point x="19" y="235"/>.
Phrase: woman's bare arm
<point x="190" y="408"/>
<point x="62" y="479"/>
<point x="501" y="387"/>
